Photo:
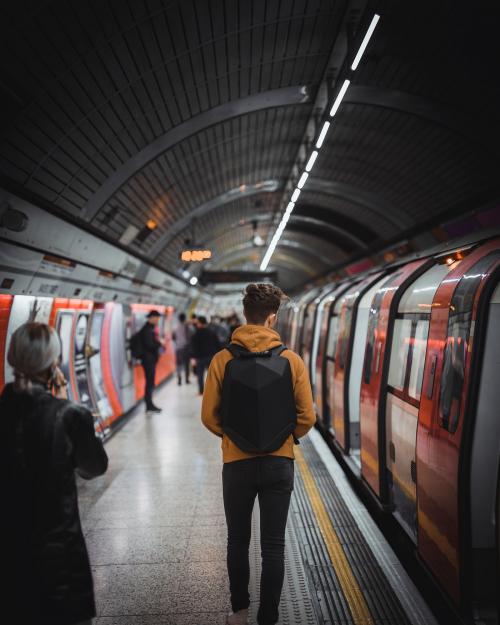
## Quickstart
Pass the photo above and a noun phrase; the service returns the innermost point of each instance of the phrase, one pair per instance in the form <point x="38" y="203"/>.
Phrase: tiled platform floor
<point x="156" y="533"/>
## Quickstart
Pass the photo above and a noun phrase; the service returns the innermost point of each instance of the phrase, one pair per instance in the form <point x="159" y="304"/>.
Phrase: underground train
<point x="95" y="354"/>
<point x="405" y="367"/>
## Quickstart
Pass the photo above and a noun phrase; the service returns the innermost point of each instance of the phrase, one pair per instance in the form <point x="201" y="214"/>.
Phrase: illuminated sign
<point x="195" y="255"/>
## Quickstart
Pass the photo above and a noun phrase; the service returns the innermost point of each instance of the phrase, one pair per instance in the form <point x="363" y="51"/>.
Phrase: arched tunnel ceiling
<point x="192" y="113"/>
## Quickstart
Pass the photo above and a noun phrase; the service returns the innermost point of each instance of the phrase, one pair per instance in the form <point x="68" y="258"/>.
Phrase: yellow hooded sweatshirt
<point x="256" y="339"/>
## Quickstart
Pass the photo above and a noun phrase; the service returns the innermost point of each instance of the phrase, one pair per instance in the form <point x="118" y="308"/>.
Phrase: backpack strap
<point x="279" y="350"/>
<point x="237" y="351"/>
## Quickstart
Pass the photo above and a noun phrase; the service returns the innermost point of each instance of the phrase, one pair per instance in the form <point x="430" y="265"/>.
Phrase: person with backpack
<point x="145" y="346"/>
<point x="258" y="399"/>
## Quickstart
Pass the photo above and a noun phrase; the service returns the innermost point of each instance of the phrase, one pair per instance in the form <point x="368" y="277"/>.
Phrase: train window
<point x="399" y="353"/>
<point x="418" y="297"/>
<point x="344" y="335"/>
<point x="457" y="343"/>
<point x="418" y="359"/>
<point x="368" y="365"/>
<point x="332" y="337"/>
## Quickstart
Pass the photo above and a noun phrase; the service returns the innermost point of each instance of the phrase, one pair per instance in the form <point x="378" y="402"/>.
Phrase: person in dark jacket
<point x="151" y="345"/>
<point x="204" y="345"/>
<point x="44" y="439"/>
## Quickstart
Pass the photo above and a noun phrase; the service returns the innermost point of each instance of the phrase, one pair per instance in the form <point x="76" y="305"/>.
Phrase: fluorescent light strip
<point x="312" y="160"/>
<point x="295" y="195"/>
<point x="339" y="97"/>
<point x="302" y="180"/>
<point x="322" y="134"/>
<point x="366" y="40"/>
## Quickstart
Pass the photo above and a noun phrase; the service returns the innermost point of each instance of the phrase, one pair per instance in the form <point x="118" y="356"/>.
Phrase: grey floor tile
<point x="136" y="546"/>
<point x="136" y="589"/>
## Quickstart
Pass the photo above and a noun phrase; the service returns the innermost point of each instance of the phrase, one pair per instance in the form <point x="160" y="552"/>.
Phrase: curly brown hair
<point x="261" y="300"/>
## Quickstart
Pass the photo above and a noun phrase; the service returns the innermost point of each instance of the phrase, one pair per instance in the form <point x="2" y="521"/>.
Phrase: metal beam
<point x="297" y="247"/>
<point x="266" y="186"/>
<point x="291" y="260"/>
<point x="384" y="209"/>
<point x="287" y="96"/>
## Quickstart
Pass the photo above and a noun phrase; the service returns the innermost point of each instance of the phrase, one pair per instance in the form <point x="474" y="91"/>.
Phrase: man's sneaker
<point x="237" y="618"/>
<point x="153" y="409"/>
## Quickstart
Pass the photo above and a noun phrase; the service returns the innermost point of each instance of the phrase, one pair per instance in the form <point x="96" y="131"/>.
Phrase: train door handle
<point x="430" y="381"/>
<point x="392" y="451"/>
<point x="413" y="471"/>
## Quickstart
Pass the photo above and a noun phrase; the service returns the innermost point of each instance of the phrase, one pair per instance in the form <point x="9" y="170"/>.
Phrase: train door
<point x="402" y="401"/>
<point x="320" y="361"/>
<point x="304" y="321"/>
<point x="319" y="387"/>
<point x="80" y="360"/>
<point x="445" y="418"/>
<point x="100" y="398"/>
<point x="356" y="369"/>
<point x="329" y="366"/>
<point x="127" y="381"/>
<point x="371" y="400"/>
<point x="485" y="461"/>
<point x="5" y="306"/>
<point x="308" y="333"/>
<point x="64" y="328"/>
<point x="349" y="308"/>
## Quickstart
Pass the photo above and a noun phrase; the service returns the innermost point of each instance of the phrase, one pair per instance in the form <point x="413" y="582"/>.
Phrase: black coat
<point x="44" y="557"/>
<point x="150" y="344"/>
<point x="204" y="343"/>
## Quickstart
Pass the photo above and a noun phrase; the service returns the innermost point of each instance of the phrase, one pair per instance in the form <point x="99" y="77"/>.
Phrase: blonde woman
<point x="44" y="439"/>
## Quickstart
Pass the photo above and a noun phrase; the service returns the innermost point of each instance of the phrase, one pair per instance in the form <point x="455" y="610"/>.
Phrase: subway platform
<point x="156" y="535"/>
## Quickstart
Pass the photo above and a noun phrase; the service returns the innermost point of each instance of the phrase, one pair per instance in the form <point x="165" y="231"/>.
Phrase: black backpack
<point x="137" y="345"/>
<point x="258" y="406"/>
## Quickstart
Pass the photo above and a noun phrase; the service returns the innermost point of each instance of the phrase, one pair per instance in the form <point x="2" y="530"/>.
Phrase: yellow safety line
<point x="350" y="587"/>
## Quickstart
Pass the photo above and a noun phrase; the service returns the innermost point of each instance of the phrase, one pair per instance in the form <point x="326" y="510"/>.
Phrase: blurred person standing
<point x="150" y="350"/>
<point x="182" y="348"/>
<point x="44" y="440"/>
<point x="204" y="345"/>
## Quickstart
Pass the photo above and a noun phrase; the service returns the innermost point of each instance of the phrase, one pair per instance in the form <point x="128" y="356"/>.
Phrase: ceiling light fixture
<point x="340" y="97"/>
<point x="314" y="154"/>
<point x="322" y="134"/>
<point x="364" y="43"/>
<point x="312" y="160"/>
<point x="302" y="180"/>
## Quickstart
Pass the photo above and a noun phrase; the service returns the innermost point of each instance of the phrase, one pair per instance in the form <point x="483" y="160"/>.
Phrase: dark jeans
<point x="149" y="376"/>
<point x="182" y="358"/>
<point x="202" y="365"/>
<point x="271" y="479"/>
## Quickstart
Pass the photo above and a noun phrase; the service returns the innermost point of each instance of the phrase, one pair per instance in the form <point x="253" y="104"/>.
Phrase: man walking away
<point x="181" y="339"/>
<point x="258" y="424"/>
<point x="150" y="350"/>
<point x="204" y="345"/>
